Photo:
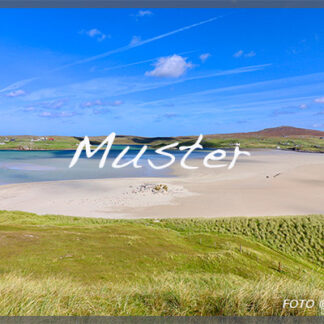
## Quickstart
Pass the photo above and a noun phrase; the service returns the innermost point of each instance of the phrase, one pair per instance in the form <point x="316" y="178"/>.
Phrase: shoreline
<point x="266" y="184"/>
<point x="153" y="149"/>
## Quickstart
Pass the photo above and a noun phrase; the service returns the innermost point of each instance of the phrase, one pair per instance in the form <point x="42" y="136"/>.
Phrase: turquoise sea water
<point x="33" y="166"/>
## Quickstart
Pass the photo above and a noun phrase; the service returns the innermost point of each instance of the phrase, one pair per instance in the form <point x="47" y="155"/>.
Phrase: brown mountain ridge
<point x="282" y="131"/>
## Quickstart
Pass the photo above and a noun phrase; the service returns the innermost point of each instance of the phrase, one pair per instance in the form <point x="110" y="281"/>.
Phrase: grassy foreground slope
<point x="56" y="265"/>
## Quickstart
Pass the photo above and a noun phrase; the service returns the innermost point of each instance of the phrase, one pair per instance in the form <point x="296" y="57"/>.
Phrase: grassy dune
<point x="56" y="265"/>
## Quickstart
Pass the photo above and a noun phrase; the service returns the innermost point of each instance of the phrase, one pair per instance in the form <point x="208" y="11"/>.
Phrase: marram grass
<point x="201" y="294"/>
<point x="56" y="265"/>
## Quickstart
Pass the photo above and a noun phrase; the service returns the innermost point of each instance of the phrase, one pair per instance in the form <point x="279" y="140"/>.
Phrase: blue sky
<point x="160" y="72"/>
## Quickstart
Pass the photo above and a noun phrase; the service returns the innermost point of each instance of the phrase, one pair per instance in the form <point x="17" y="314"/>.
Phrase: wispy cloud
<point x="96" y="103"/>
<point x="289" y="110"/>
<point x="142" y="62"/>
<point x="250" y="54"/>
<point x="244" y="69"/>
<point x="118" y="87"/>
<point x="52" y="104"/>
<point x="101" y="111"/>
<point x="45" y="108"/>
<point x="143" y="13"/>
<point x="170" y="67"/>
<point x="170" y="115"/>
<point x="95" y="33"/>
<point x="29" y="109"/>
<point x="134" y="41"/>
<point x="116" y="67"/>
<point x="240" y="53"/>
<point x="283" y="91"/>
<point x="204" y="57"/>
<point x="55" y="104"/>
<point x="61" y="114"/>
<point x="319" y="100"/>
<point x="167" y="116"/>
<point x="89" y="104"/>
<point x="115" y="103"/>
<point x="16" y="93"/>
<point x="20" y="83"/>
<point x="319" y="113"/>
<point x="140" y="43"/>
<point x="17" y="85"/>
<point x="318" y="125"/>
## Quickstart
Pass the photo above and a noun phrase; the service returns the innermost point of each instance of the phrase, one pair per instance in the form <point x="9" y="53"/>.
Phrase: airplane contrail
<point x="140" y="43"/>
<point x="114" y="51"/>
<point x="17" y="85"/>
<point x="145" y="61"/>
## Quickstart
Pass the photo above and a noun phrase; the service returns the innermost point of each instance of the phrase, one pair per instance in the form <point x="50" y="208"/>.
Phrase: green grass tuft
<point x="56" y="265"/>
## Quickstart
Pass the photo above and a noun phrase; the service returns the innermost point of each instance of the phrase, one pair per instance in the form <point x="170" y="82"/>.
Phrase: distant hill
<point x="283" y="137"/>
<point x="282" y="131"/>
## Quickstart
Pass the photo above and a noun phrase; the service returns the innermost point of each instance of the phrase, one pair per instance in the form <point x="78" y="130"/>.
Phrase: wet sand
<point x="269" y="183"/>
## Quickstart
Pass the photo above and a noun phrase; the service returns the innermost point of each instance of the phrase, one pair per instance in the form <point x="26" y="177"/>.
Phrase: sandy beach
<point x="269" y="183"/>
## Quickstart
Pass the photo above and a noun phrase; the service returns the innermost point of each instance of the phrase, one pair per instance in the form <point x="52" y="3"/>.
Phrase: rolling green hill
<point x="288" y="138"/>
<point x="56" y="265"/>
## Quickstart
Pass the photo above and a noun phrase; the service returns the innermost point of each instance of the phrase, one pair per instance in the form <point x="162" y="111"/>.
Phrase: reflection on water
<point x="31" y="166"/>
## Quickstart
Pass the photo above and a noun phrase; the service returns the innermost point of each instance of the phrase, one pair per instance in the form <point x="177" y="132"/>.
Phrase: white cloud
<point x="116" y="103"/>
<point x="238" y="53"/>
<point x="114" y="51"/>
<point x="318" y="125"/>
<point x="29" y="109"/>
<point x="143" y="13"/>
<point x="62" y="114"/>
<point x="204" y="57"/>
<point x="92" y="103"/>
<point x="241" y="52"/>
<point x="17" y="84"/>
<point x="101" y="110"/>
<point x="319" y="100"/>
<point x="54" y="104"/>
<point x="16" y="93"/>
<point x="250" y="54"/>
<point x="141" y="43"/>
<point x="114" y="87"/>
<point x="95" y="33"/>
<point x="171" y="66"/>
<point x="303" y="106"/>
<point x="135" y="40"/>
<point x="96" y="103"/>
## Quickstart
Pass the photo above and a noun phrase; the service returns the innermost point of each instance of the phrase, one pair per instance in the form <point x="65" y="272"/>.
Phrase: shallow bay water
<point x="35" y="166"/>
